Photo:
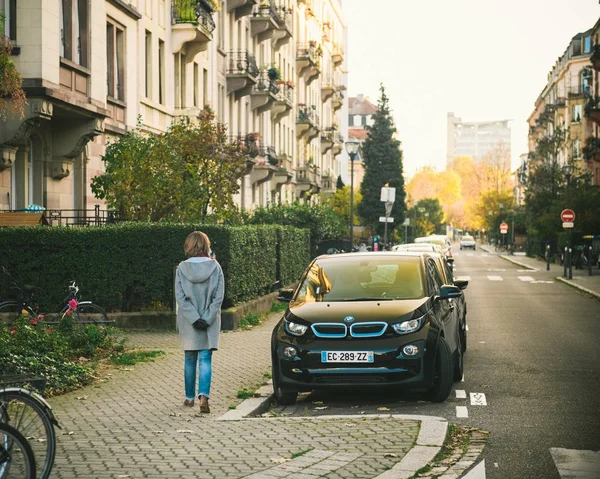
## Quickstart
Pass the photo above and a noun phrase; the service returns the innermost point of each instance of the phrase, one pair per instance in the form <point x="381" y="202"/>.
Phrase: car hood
<point x="361" y="311"/>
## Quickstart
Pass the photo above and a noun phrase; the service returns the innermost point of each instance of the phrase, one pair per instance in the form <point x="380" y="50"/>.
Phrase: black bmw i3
<point x="368" y="319"/>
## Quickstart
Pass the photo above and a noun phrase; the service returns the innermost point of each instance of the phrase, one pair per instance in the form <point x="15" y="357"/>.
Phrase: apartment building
<point x="272" y="72"/>
<point x="569" y="101"/>
<point x="475" y="138"/>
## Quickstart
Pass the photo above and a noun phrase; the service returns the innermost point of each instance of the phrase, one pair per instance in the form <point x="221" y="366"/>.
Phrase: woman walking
<point x="199" y="289"/>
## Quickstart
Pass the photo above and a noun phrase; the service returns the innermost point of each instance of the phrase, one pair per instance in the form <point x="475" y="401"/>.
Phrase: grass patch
<point x="249" y="320"/>
<point x="244" y="393"/>
<point x="301" y="453"/>
<point x="278" y="307"/>
<point x="130" y="358"/>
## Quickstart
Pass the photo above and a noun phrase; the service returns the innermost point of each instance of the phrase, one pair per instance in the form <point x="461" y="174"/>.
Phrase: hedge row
<point x="130" y="266"/>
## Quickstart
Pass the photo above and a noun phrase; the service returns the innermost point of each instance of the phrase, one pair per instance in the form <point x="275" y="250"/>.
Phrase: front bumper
<point x="389" y="368"/>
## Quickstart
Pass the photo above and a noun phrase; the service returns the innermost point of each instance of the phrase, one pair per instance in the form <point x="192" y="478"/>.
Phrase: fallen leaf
<point x="383" y="408"/>
<point x="321" y="408"/>
<point x="354" y="407"/>
<point x="390" y="454"/>
<point x="185" y="431"/>
<point x="81" y="398"/>
<point x="280" y="460"/>
<point x="158" y="432"/>
<point x="318" y="403"/>
<point x="122" y="476"/>
<point x="174" y="414"/>
<point x="361" y="412"/>
<point x="350" y="424"/>
<point x="126" y="369"/>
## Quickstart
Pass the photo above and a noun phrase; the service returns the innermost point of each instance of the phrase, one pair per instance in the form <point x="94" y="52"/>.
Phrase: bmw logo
<point x="348" y="319"/>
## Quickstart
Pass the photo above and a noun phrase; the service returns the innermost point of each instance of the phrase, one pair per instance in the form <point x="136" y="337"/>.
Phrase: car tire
<point x="284" y="397"/>
<point x="463" y="335"/>
<point x="459" y="360"/>
<point x="442" y="373"/>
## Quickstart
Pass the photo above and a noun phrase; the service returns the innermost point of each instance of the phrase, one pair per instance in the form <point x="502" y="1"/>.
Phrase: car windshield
<point x="362" y="279"/>
<point x="467" y="238"/>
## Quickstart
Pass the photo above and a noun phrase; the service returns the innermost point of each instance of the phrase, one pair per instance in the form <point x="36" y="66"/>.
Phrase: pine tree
<point x="383" y="165"/>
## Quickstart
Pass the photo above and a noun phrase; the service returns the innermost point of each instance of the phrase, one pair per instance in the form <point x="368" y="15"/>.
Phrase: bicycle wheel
<point x="31" y="418"/>
<point x="16" y="457"/>
<point x="90" y="313"/>
<point x="11" y="310"/>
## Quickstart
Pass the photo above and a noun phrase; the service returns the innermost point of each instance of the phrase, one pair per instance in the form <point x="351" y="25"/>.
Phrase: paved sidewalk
<point x="132" y="424"/>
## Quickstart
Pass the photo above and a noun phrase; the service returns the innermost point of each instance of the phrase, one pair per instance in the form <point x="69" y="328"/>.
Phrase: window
<point x="205" y="89"/>
<point x="577" y="110"/>
<point x="161" y="72"/>
<point x="148" y="64"/>
<point x="10" y="23"/>
<point x="115" y="71"/>
<point x="576" y="149"/>
<point x="196" y="85"/>
<point x="180" y="80"/>
<point x="74" y="31"/>
<point x="587" y="44"/>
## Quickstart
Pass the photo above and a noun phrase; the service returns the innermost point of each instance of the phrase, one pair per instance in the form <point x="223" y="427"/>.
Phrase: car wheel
<point x="459" y="361"/>
<point x="283" y="396"/>
<point x="442" y="373"/>
<point x="463" y="335"/>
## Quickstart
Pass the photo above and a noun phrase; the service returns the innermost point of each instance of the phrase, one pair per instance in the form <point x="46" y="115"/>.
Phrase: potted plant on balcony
<point x="312" y="43"/>
<point x="319" y="51"/>
<point x="591" y="150"/>
<point x="273" y="73"/>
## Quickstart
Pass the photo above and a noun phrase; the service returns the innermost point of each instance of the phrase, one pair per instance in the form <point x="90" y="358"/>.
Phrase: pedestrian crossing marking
<point x="573" y="463"/>
<point x="495" y="278"/>
<point x="461" y="394"/>
<point x="525" y="278"/>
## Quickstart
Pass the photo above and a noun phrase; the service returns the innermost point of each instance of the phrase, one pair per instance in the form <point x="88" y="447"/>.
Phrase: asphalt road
<point x="532" y="371"/>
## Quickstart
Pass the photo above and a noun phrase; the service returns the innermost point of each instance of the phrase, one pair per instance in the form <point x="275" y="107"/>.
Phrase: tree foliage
<point x="12" y="96"/>
<point x="428" y="216"/>
<point x="383" y="165"/>
<point x="185" y="174"/>
<point x="340" y="203"/>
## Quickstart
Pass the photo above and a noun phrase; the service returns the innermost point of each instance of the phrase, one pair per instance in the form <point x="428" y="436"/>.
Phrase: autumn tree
<point x="428" y="217"/>
<point x="340" y="203"/>
<point x="383" y="165"/>
<point x="12" y="96"/>
<point x="185" y="174"/>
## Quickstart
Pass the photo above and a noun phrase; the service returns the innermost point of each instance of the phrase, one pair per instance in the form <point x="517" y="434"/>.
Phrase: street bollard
<point x="590" y="261"/>
<point x="547" y="257"/>
<point x="570" y="264"/>
<point x="565" y="263"/>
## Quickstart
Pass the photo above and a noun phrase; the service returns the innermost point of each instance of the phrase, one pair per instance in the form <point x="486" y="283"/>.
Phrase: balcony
<point x="591" y="150"/>
<point x="264" y="93"/>
<point x="306" y="181"/>
<point x="328" y="88"/>
<point x="327" y="136"/>
<point x="592" y="109"/>
<point x="560" y="102"/>
<point x="242" y="73"/>
<point x="283" y="32"/>
<point x="241" y="8"/>
<point x="338" y="144"/>
<point x="193" y="26"/>
<point x="249" y="144"/>
<point x="264" y="21"/>
<point x="308" y="62"/>
<point x="328" y="183"/>
<point x="284" y="101"/>
<point x="337" y="57"/>
<point x="580" y="91"/>
<point x="337" y="100"/>
<point x="266" y="165"/>
<point x="307" y="123"/>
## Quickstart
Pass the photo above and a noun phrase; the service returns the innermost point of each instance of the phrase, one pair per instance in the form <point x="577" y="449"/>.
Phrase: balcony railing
<point x="267" y="11"/>
<point x="78" y="217"/>
<point x="241" y="63"/>
<point x="579" y="91"/>
<point x="284" y="19"/>
<point x="269" y="153"/>
<point x="285" y="94"/>
<point x="307" y="114"/>
<point x="264" y="84"/>
<point x="193" y="11"/>
<point x="247" y="143"/>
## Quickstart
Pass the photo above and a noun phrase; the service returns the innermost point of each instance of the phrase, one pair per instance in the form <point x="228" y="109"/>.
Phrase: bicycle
<point x="32" y="416"/>
<point x="84" y="312"/>
<point x="16" y="456"/>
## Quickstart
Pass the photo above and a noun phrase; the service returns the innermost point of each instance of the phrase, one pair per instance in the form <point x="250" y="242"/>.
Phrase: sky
<point x="481" y="59"/>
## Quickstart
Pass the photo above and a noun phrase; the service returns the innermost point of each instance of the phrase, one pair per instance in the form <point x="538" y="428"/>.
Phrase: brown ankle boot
<point x="188" y="403"/>
<point x="204" y="404"/>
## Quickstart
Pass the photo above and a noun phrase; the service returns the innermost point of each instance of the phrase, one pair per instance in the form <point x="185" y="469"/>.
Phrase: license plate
<point x="347" y="356"/>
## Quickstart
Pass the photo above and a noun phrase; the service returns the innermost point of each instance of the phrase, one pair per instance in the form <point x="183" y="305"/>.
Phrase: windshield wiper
<point x="369" y="299"/>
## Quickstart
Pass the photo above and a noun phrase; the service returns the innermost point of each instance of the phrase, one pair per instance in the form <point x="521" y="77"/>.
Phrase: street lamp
<point x="352" y="147"/>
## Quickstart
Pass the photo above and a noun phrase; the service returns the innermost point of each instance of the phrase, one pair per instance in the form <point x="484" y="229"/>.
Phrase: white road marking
<point x="478" y="472"/>
<point x="495" y="278"/>
<point x="525" y="278"/>
<point x="544" y="282"/>
<point x="576" y="464"/>
<point x="466" y="278"/>
<point x="531" y="270"/>
<point x="469" y="254"/>
<point x="481" y="342"/>
<point x="467" y="327"/>
<point x="497" y="270"/>
<point x="461" y="394"/>
<point x="478" y="399"/>
<point x="462" y="411"/>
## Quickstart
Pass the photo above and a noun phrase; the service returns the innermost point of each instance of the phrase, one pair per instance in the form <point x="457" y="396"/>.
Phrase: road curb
<point x="254" y="405"/>
<point x="577" y="286"/>
<point x="518" y="263"/>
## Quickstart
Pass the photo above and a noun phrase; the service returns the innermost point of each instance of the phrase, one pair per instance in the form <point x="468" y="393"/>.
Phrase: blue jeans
<point x="203" y="358"/>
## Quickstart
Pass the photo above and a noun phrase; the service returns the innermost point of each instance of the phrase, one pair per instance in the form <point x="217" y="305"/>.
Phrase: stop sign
<point x="567" y="215"/>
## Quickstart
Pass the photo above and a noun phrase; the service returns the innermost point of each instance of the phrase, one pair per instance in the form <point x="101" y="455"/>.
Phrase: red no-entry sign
<point x="567" y="215"/>
<point x="503" y="228"/>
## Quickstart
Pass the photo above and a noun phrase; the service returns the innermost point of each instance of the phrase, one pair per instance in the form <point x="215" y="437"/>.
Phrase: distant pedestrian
<point x="199" y="290"/>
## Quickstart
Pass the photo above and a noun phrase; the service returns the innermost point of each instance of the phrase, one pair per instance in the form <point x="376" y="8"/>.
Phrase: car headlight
<point x="409" y="326"/>
<point x="295" y="329"/>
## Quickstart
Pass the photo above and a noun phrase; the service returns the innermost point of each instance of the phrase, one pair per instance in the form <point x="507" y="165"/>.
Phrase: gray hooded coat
<point x="199" y="290"/>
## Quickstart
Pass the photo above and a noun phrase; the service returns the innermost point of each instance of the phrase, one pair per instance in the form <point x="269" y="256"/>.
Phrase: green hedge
<point x="130" y="266"/>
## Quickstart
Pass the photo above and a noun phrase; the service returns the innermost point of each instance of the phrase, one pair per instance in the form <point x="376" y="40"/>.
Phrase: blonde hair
<point x="196" y="243"/>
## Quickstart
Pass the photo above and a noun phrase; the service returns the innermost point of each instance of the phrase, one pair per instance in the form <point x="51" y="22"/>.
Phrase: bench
<point x="38" y="382"/>
<point x="17" y="218"/>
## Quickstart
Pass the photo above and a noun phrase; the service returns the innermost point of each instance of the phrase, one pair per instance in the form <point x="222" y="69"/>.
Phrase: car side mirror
<point x="449" y="291"/>
<point x="285" y="295"/>
<point x="461" y="283"/>
<point x="450" y="261"/>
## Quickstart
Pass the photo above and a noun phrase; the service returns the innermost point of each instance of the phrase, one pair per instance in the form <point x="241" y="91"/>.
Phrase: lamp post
<point x="568" y="171"/>
<point x="352" y="147"/>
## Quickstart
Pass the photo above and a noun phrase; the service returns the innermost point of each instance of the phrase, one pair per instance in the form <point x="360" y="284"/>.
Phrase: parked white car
<point x="467" y="241"/>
